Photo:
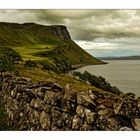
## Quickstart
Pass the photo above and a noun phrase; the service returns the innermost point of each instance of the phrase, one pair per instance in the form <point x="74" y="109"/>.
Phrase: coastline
<point x="82" y="65"/>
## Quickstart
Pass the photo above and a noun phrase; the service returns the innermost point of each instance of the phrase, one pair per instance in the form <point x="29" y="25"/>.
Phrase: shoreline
<point x="82" y="65"/>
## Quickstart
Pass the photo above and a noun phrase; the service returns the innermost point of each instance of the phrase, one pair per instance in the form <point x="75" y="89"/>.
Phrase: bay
<point x="124" y="74"/>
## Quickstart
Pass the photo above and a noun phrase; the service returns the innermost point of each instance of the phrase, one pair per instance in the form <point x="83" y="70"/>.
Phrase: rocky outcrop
<point x="48" y="106"/>
<point x="60" y="31"/>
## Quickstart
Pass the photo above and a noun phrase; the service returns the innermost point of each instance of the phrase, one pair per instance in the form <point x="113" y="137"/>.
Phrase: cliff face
<point x="60" y="31"/>
<point x="48" y="106"/>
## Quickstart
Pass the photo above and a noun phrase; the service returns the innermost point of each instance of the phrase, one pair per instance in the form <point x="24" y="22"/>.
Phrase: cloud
<point x="83" y="24"/>
<point x="104" y="32"/>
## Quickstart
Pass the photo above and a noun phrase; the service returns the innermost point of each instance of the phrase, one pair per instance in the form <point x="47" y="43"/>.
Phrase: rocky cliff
<point x="48" y="106"/>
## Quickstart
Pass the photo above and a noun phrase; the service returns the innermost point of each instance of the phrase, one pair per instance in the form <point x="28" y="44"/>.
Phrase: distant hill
<point x="50" y="46"/>
<point x="121" y="58"/>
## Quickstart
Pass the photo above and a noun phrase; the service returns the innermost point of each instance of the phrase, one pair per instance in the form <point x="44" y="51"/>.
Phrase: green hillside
<point x="50" y="46"/>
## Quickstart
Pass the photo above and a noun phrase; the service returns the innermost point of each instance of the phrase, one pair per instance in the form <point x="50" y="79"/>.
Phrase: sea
<point x="124" y="74"/>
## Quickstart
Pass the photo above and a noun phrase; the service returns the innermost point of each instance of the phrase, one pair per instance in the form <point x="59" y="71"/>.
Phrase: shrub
<point x="99" y="82"/>
<point x="7" y="59"/>
<point x="30" y="64"/>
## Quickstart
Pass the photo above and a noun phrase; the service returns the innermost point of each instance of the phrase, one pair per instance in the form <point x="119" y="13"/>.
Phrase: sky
<point x="102" y="33"/>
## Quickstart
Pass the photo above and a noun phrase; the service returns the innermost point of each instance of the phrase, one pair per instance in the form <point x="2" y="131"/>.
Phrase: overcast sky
<point x="100" y="32"/>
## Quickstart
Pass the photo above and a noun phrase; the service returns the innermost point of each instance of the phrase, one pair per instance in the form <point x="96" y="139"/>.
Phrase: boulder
<point x="126" y="106"/>
<point x="100" y="107"/>
<point x="85" y="100"/>
<point x="37" y="104"/>
<point x="138" y="103"/>
<point x="49" y="97"/>
<point x="68" y="118"/>
<point x="77" y="122"/>
<point x="86" y="127"/>
<point x="69" y="94"/>
<point x="108" y="124"/>
<point x="106" y="103"/>
<point x="90" y="116"/>
<point x="45" y="121"/>
<point x="80" y="110"/>
<point x="106" y="111"/>
<point x="68" y="106"/>
<point x="136" y="124"/>
<point x="125" y="129"/>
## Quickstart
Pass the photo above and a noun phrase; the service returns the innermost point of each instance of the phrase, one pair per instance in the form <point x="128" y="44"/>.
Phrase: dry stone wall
<point x="48" y="106"/>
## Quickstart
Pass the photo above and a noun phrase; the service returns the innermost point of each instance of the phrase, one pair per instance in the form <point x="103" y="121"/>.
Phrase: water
<point x="124" y="74"/>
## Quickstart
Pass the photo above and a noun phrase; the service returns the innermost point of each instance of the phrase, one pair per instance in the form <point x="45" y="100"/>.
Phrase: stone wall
<point x="48" y="106"/>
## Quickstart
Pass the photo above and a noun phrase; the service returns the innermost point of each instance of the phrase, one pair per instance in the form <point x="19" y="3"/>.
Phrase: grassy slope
<point x="44" y="75"/>
<point x="36" y="43"/>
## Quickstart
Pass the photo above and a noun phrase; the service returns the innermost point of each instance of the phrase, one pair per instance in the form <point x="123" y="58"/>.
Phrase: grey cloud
<point x="83" y="24"/>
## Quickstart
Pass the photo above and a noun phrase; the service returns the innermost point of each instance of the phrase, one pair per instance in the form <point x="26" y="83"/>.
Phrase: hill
<point x="121" y="58"/>
<point x="50" y="46"/>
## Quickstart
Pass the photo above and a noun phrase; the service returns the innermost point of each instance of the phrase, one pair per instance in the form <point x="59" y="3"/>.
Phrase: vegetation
<point x="36" y="43"/>
<point x="99" y="82"/>
<point x="36" y="53"/>
<point x="3" y="122"/>
<point x="30" y="64"/>
<point x="7" y="59"/>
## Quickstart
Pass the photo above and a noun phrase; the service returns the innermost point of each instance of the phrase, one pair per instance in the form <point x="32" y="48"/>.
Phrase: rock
<point x="108" y="124"/>
<point x="125" y="129"/>
<point x="80" y="110"/>
<point x="53" y="98"/>
<point x="106" y="111"/>
<point x="136" y="124"/>
<point x="33" y="116"/>
<point x="45" y="121"/>
<point x="106" y="103"/>
<point x="69" y="94"/>
<point x="56" y="112"/>
<point x="138" y="104"/>
<point x="13" y="93"/>
<point x="23" y="80"/>
<point x="92" y="96"/>
<point x="59" y="122"/>
<point x="126" y="106"/>
<point x="124" y="120"/>
<point x="57" y="87"/>
<point x="90" y="116"/>
<point x="100" y="107"/>
<point x="49" y="97"/>
<point x="68" y="106"/>
<point x="37" y="104"/>
<point x="40" y="93"/>
<point x="85" y="100"/>
<point x="47" y="108"/>
<point x="67" y="119"/>
<point x="130" y="95"/>
<point x="86" y="127"/>
<point x="77" y="123"/>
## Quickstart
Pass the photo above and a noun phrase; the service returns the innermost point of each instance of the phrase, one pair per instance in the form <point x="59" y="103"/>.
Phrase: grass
<point x="29" y="52"/>
<point x="37" y="43"/>
<point x="43" y="75"/>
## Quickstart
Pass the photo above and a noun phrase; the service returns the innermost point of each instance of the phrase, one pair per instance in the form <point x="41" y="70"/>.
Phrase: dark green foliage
<point x="7" y="59"/>
<point x="99" y="82"/>
<point x="30" y="64"/>
<point x="3" y="122"/>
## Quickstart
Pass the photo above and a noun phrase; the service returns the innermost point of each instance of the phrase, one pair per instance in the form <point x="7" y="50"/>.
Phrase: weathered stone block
<point x="45" y="120"/>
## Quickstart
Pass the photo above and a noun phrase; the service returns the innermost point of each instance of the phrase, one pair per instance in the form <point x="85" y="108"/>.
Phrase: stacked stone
<point x="48" y="106"/>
